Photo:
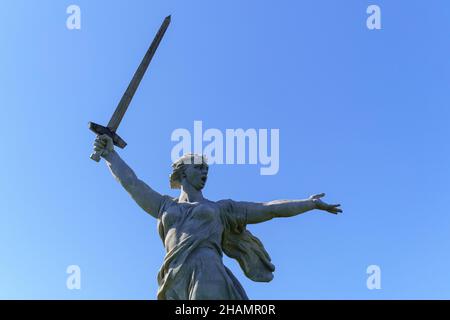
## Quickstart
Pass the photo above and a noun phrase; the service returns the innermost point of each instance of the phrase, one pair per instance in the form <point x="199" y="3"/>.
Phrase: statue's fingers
<point x="104" y="138"/>
<point x="99" y="144"/>
<point x="336" y="210"/>
<point x="100" y="140"/>
<point x="109" y="144"/>
<point x="99" y="148"/>
<point x="318" y="196"/>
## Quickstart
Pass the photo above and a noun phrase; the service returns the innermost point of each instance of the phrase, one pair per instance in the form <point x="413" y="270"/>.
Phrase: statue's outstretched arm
<point x="147" y="198"/>
<point x="260" y="212"/>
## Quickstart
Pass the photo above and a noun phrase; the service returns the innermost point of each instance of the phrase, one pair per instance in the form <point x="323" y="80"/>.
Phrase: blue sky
<point x="363" y="116"/>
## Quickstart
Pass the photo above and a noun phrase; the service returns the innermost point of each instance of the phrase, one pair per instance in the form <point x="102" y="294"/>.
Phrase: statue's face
<point x="196" y="175"/>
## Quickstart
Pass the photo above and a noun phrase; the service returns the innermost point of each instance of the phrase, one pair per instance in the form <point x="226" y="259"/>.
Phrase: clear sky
<point x="363" y="116"/>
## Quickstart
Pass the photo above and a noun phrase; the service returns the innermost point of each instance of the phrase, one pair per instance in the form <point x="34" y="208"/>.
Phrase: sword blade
<point x="138" y="75"/>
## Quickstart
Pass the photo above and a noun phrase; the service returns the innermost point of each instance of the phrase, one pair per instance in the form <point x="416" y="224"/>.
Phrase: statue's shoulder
<point x="226" y="204"/>
<point x="169" y="200"/>
<point x="224" y="201"/>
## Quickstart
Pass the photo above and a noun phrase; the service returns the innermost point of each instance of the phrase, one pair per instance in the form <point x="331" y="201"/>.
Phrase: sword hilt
<point x="96" y="156"/>
<point x="99" y="130"/>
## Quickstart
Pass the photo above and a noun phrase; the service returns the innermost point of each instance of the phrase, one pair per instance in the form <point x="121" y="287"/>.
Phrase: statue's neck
<point x="190" y="194"/>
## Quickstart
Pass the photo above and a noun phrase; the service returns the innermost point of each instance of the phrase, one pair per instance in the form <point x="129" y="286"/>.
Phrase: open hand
<point x="331" y="208"/>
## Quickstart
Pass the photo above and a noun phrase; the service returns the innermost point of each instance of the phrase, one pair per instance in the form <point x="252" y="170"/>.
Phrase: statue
<point x="196" y="231"/>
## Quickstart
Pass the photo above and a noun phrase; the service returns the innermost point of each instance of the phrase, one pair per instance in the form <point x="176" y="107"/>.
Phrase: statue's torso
<point x="193" y="235"/>
<point x="183" y="220"/>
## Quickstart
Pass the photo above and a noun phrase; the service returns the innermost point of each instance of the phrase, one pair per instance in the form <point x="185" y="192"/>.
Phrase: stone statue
<point x="196" y="231"/>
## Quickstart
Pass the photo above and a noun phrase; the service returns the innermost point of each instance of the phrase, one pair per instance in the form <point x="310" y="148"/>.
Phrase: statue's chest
<point x="204" y="212"/>
<point x="191" y="215"/>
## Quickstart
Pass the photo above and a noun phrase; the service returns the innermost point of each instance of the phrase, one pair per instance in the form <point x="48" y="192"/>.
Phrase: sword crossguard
<point x="100" y="130"/>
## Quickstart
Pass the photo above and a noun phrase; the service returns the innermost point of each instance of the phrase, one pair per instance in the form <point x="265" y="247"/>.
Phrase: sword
<point x="121" y="108"/>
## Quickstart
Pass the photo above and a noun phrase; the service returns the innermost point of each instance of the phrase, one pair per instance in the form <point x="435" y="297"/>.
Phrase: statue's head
<point x="190" y="169"/>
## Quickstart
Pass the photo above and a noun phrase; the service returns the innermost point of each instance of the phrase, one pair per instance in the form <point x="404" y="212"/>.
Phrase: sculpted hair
<point x="179" y="166"/>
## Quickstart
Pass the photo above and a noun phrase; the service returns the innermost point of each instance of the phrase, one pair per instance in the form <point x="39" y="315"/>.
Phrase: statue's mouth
<point x="204" y="179"/>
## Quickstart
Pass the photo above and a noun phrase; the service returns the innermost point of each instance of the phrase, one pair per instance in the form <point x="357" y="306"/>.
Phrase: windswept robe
<point x="195" y="236"/>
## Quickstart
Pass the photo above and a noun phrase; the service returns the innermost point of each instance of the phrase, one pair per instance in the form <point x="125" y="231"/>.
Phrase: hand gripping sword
<point x="118" y="114"/>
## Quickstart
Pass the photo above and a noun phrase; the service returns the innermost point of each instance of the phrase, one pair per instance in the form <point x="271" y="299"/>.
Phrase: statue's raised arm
<point x="147" y="198"/>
